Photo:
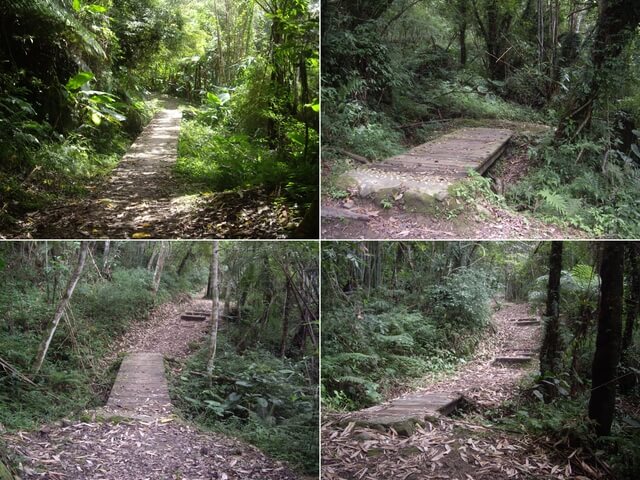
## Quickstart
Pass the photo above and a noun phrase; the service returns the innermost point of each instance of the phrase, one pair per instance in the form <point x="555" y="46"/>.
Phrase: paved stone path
<point x="140" y="389"/>
<point x="425" y="172"/>
<point x="516" y="346"/>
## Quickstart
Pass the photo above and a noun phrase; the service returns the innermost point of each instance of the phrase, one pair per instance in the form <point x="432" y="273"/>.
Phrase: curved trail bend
<point x="135" y="436"/>
<point x="365" y="445"/>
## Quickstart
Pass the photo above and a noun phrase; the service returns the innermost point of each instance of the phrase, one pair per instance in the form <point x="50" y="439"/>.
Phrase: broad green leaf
<point x="96" y="118"/>
<point x="76" y="5"/>
<point x="635" y="149"/>
<point x="224" y="97"/>
<point x="315" y="106"/>
<point x="213" y="98"/>
<point x="78" y="80"/>
<point x="96" y="8"/>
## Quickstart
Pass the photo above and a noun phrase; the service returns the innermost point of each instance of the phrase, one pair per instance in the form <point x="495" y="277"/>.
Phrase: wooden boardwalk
<point x="425" y="172"/>
<point x="454" y="154"/>
<point x="140" y="389"/>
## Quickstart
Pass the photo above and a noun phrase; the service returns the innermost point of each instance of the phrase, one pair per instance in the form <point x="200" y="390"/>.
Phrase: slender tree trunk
<point x="227" y="299"/>
<point x="628" y="382"/>
<point x="607" y="355"/>
<point x="285" y="320"/>
<point x="616" y="21"/>
<point x="215" y="317"/>
<point x="550" y="351"/>
<point x="154" y="254"/>
<point x="157" y="274"/>
<point x="105" y="256"/>
<point x="71" y="285"/>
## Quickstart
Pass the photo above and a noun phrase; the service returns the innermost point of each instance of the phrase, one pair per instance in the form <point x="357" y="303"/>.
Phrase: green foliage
<point x="114" y="305"/>
<point x="599" y="197"/>
<point x="72" y="378"/>
<point x="256" y="396"/>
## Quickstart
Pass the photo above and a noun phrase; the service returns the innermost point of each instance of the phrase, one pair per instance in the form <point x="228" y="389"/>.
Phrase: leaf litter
<point x="165" y="447"/>
<point x="460" y="448"/>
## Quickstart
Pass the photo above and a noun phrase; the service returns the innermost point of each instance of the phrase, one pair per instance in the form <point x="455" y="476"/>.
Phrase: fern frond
<point x="59" y="13"/>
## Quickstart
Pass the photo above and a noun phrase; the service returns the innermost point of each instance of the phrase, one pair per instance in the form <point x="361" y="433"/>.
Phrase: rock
<point x="442" y="195"/>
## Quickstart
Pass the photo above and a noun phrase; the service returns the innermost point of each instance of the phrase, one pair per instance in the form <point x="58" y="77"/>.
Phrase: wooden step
<point x="526" y="321"/>
<point x="403" y="414"/>
<point x="198" y="313"/>
<point x="520" y="360"/>
<point x="193" y="318"/>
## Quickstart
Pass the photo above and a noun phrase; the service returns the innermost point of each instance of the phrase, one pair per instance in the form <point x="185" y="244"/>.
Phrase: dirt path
<point x="448" y="447"/>
<point x="142" y="198"/>
<point x="483" y="222"/>
<point x="135" y="437"/>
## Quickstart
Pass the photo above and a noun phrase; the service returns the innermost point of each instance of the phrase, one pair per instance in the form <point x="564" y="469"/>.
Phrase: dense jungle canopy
<point x="563" y="74"/>
<point x="73" y="313"/>
<point x="533" y="345"/>
<point x="80" y="79"/>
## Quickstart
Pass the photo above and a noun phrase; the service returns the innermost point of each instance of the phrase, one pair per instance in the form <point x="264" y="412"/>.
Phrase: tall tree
<point x="550" y="350"/>
<point x="617" y="19"/>
<point x="163" y="251"/>
<point x="628" y="381"/>
<point x="607" y="355"/>
<point x="62" y="305"/>
<point x="215" y="311"/>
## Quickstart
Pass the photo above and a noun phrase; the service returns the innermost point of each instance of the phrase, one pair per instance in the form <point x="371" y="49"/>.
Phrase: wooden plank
<point x="476" y="148"/>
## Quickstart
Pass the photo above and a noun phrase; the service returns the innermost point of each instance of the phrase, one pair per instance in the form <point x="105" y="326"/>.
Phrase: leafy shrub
<point x="463" y="299"/>
<point x="263" y="399"/>
<point x="113" y="305"/>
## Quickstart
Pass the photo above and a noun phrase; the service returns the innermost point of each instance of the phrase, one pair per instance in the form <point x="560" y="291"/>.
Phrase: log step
<point x="521" y="360"/>
<point x="198" y="313"/>
<point x="526" y="321"/>
<point x="193" y="318"/>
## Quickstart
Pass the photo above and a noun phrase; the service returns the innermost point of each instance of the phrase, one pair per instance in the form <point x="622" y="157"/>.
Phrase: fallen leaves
<point x="135" y="450"/>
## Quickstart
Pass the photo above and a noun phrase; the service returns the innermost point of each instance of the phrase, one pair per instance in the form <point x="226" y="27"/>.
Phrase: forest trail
<point x="423" y="174"/>
<point x="141" y="199"/>
<point x="135" y="436"/>
<point x="387" y="203"/>
<point x="361" y="445"/>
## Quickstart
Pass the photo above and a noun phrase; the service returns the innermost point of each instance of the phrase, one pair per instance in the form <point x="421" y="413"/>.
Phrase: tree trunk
<point x="185" y="259"/>
<point x="607" y="355"/>
<point x="285" y="320"/>
<point x="215" y="318"/>
<point x="105" y="257"/>
<point x="462" y="39"/>
<point x="616" y="21"/>
<point x="157" y="274"/>
<point x="71" y="285"/>
<point x="629" y="380"/>
<point x="550" y="351"/>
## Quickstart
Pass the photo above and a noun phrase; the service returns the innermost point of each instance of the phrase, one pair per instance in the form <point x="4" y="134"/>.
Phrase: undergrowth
<point x="254" y="396"/>
<point x="73" y="377"/>
<point x="583" y="184"/>
<point x="400" y="336"/>
<point x="564" y="423"/>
